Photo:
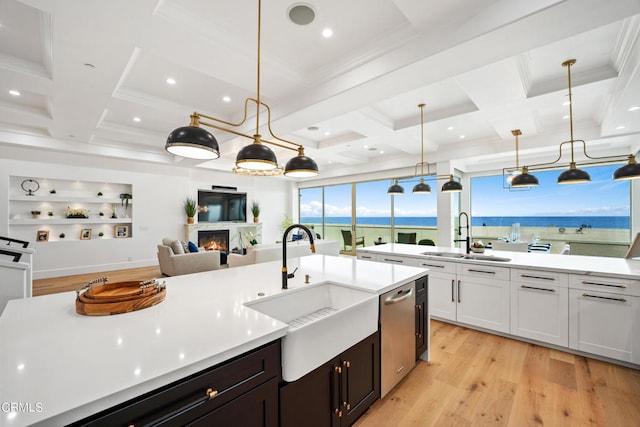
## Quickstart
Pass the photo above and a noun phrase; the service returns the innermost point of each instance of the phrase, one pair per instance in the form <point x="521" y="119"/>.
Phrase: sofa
<point x="174" y="260"/>
<point x="273" y="251"/>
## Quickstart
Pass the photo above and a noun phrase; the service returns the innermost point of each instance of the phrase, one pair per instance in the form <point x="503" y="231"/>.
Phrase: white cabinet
<point x="604" y="316"/>
<point x="540" y="306"/>
<point x="395" y="259"/>
<point x="483" y="296"/>
<point x="442" y="289"/>
<point x="469" y="293"/>
<point x="366" y="256"/>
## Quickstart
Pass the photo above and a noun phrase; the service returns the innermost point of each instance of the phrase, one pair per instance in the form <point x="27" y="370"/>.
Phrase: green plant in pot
<point x="190" y="208"/>
<point x="255" y="210"/>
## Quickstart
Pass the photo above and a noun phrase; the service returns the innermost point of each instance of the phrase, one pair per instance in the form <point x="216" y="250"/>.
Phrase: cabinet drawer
<point x="604" y="284"/>
<point x="438" y="266"/>
<point x="394" y="259"/>
<point x="484" y="271"/>
<point x="188" y="398"/>
<point x="367" y="256"/>
<point x="541" y="277"/>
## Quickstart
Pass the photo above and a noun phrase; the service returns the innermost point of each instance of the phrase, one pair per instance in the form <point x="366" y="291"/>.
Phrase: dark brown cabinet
<point x="422" y="318"/>
<point x="336" y="393"/>
<point x="242" y="391"/>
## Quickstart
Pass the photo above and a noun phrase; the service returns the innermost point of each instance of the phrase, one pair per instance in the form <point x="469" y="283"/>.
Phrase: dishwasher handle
<point x="399" y="297"/>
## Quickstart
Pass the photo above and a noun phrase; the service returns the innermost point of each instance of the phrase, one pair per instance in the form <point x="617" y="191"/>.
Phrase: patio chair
<point x="346" y="237"/>
<point x="407" y="238"/>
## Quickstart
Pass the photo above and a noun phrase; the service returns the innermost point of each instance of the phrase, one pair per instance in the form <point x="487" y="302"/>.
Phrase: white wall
<point x="158" y="195"/>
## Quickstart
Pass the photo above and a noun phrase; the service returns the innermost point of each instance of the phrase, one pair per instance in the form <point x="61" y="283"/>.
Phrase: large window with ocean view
<point x="593" y="218"/>
<point x="371" y="216"/>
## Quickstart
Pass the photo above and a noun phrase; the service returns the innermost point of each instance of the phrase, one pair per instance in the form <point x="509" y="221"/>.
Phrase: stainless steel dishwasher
<point x="397" y="335"/>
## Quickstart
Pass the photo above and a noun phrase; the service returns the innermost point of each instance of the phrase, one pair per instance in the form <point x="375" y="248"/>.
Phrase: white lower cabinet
<point x="469" y="293"/>
<point x="540" y="306"/>
<point x="483" y="296"/>
<point x="604" y="317"/>
<point x="442" y="289"/>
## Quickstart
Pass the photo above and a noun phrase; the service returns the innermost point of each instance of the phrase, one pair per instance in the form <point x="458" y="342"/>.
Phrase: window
<point x="593" y="218"/>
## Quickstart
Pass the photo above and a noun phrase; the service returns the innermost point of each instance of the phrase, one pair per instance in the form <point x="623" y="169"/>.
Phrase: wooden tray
<point x="97" y="298"/>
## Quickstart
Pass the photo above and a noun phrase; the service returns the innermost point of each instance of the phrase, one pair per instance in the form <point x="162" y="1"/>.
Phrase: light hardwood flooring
<point x="71" y="283"/>
<point x="476" y="379"/>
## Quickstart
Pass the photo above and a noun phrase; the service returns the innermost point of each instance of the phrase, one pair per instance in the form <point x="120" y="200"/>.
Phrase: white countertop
<point x="576" y="264"/>
<point x="61" y="366"/>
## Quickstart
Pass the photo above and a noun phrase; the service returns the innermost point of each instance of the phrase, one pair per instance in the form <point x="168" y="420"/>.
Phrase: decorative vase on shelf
<point x="255" y="210"/>
<point x="190" y="208"/>
<point x="190" y="220"/>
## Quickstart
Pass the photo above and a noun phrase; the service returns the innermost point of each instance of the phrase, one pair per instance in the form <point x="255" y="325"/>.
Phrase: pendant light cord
<point x="568" y="64"/>
<point x="258" y="83"/>
<point x="421" y="139"/>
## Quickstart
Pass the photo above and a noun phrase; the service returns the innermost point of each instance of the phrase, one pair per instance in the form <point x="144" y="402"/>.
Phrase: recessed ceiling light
<point x="226" y="99"/>
<point x="450" y="128"/>
<point x="634" y="108"/>
<point x="137" y="119"/>
<point x="171" y="81"/>
<point x="327" y="133"/>
<point x="14" y="92"/>
<point x="461" y="136"/>
<point x="565" y="117"/>
<point x="381" y="151"/>
<point x="366" y="147"/>
<point x="327" y="32"/>
<point x="565" y="103"/>
<point x="619" y="127"/>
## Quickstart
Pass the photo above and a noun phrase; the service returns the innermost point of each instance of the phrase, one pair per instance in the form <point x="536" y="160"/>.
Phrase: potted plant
<point x="100" y="194"/>
<point x="255" y="210"/>
<point x="190" y="208"/>
<point x="50" y="213"/>
<point x="101" y="234"/>
<point x="62" y="236"/>
<point x="35" y="214"/>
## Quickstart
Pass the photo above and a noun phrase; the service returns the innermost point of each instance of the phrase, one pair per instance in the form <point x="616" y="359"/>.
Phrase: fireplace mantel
<point x="235" y="229"/>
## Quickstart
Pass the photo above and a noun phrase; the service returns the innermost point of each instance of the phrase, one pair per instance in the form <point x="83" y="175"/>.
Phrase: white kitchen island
<point x="61" y="367"/>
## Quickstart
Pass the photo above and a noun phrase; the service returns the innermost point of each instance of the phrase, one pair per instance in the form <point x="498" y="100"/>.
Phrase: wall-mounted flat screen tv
<point x="216" y="206"/>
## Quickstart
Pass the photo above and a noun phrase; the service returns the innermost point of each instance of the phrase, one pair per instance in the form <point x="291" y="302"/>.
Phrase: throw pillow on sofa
<point x="192" y="247"/>
<point x="177" y="247"/>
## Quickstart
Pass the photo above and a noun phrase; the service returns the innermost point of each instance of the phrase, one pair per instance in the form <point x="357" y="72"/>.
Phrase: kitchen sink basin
<point x="324" y="320"/>
<point x="477" y="257"/>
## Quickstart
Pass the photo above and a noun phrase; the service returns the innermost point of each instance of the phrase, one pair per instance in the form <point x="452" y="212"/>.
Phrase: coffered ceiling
<point x="86" y="69"/>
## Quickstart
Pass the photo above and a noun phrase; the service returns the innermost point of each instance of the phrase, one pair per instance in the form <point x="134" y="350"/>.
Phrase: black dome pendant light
<point x="421" y="187"/>
<point x="523" y="179"/>
<point x="573" y="175"/>
<point x="255" y="159"/>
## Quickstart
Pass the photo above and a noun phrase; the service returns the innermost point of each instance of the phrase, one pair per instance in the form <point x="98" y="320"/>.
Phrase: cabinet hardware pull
<point x="346" y="363"/>
<point x="211" y="393"/>
<point x="424" y="264"/>
<point x="607" y="298"/>
<point x="366" y="256"/>
<point x="339" y="412"/>
<point x="473" y="270"/>
<point x="585" y="282"/>
<point x="346" y="405"/>
<point x="537" y="289"/>
<point x="529" y="276"/>
<point x="453" y="298"/>
<point x="338" y="369"/>
<point x="459" y="297"/>
<point x="394" y="260"/>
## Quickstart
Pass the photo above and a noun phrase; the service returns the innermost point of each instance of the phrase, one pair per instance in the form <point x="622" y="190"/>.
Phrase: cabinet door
<point x="483" y="303"/>
<point x="442" y="296"/>
<point x="606" y="324"/>
<point x="312" y="399"/>
<point x="540" y="312"/>
<point x="257" y="408"/>
<point x="360" y="378"/>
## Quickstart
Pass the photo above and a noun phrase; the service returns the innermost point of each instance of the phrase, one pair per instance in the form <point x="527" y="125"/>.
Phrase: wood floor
<point x="71" y="283"/>
<point x="477" y="379"/>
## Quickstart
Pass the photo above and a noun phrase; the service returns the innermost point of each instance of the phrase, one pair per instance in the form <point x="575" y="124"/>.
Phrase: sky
<point x="601" y="197"/>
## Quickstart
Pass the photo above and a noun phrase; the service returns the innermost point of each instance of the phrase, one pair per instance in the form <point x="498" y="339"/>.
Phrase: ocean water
<point x="619" y="222"/>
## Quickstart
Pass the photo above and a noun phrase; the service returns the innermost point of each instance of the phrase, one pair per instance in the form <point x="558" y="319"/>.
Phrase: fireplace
<point x="215" y="240"/>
